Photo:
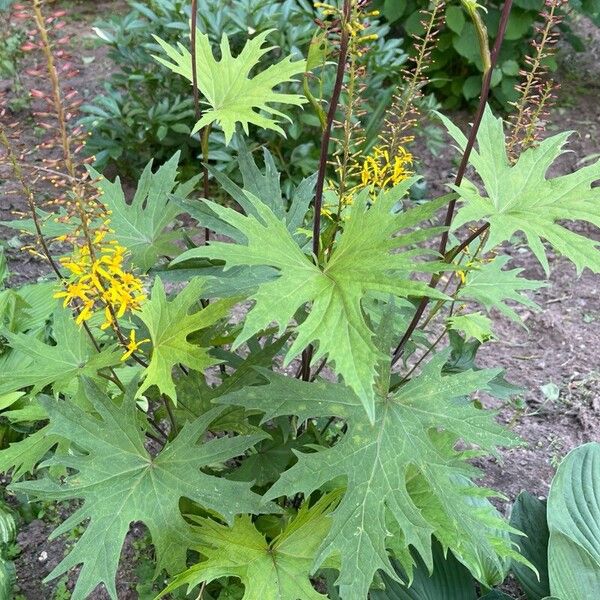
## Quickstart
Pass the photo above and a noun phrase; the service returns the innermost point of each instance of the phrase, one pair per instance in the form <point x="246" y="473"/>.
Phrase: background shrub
<point x="456" y="70"/>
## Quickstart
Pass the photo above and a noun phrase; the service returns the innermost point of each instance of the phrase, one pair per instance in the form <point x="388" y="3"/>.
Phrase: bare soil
<point x="560" y="345"/>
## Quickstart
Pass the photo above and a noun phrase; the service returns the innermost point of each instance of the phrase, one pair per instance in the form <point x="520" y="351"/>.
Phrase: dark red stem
<point x="326" y="138"/>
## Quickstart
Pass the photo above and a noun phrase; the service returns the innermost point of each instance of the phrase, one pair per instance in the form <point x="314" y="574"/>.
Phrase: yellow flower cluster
<point x="99" y="282"/>
<point x="358" y="22"/>
<point x="380" y="170"/>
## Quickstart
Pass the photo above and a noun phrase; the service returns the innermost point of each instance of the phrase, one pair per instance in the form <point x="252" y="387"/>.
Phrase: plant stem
<point x="326" y="137"/>
<point x="485" y="90"/>
<point x="198" y="111"/>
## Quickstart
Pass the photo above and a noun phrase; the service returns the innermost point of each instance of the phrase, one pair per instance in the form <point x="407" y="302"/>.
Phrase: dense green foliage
<point x="457" y="67"/>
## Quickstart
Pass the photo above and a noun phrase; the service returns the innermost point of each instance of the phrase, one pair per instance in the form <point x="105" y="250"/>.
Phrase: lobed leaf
<point x="364" y="260"/>
<point x="519" y="197"/>
<point x="119" y="483"/>
<point x="233" y="96"/>
<point x="169" y="324"/>
<point x="403" y="469"/>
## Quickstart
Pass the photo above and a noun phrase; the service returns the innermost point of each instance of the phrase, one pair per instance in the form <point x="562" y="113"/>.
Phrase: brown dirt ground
<point x="560" y="345"/>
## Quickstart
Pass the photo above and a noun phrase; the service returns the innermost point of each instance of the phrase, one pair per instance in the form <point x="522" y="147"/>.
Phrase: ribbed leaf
<point x="529" y="516"/>
<point x="449" y="581"/>
<point x="574" y="524"/>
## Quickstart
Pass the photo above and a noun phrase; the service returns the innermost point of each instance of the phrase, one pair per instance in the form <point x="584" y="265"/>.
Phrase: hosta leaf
<point x="574" y="524"/>
<point x="140" y="226"/>
<point x="449" y="580"/>
<point x="403" y="468"/>
<point x="362" y="262"/>
<point x="491" y="286"/>
<point x="169" y="324"/>
<point x="233" y="96"/>
<point x="72" y="356"/>
<point x="120" y="483"/>
<point x="519" y="197"/>
<point x="278" y="570"/>
<point x="529" y="516"/>
<point x="7" y="578"/>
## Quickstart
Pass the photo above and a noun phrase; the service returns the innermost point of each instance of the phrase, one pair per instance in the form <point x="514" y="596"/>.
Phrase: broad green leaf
<point x="233" y="96"/>
<point x="120" y="483"/>
<point x="519" y="197"/>
<point x="473" y="325"/>
<point x="72" y="356"/>
<point x="403" y="469"/>
<point x="574" y="525"/>
<point x="170" y="323"/>
<point x="529" y="516"/>
<point x="278" y="570"/>
<point x="362" y="262"/>
<point x="141" y="226"/>
<point x="491" y="286"/>
<point x="449" y="580"/>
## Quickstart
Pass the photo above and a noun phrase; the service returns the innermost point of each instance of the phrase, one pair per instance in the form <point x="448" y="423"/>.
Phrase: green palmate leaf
<point x="232" y="95"/>
<point x="574" y="525"/>
<point x="529" y="516"/>
<point x="463" y="358"/>
<point x="278" y="570"/>
<point x="120" y="483"/>
<point x="362" y="262"/>
<point x="59" y="365"/>
<point x="519" y="197"/>
<point x="403" y="470"/>
<point x="267" y="188"/>
<point x="169" y="324"/>
<point x="140" y="226"/>
<point x="473" y="325"/>
<point x="22" y="457"/>
<point x="491" y="286"/>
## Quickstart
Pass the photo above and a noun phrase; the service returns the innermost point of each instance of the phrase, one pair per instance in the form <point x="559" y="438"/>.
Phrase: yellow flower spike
<point x="133" y="345"/>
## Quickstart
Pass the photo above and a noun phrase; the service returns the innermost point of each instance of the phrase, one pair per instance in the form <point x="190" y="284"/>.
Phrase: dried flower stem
<point x="534" y="93"/>
<point x="401" y="116"/>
